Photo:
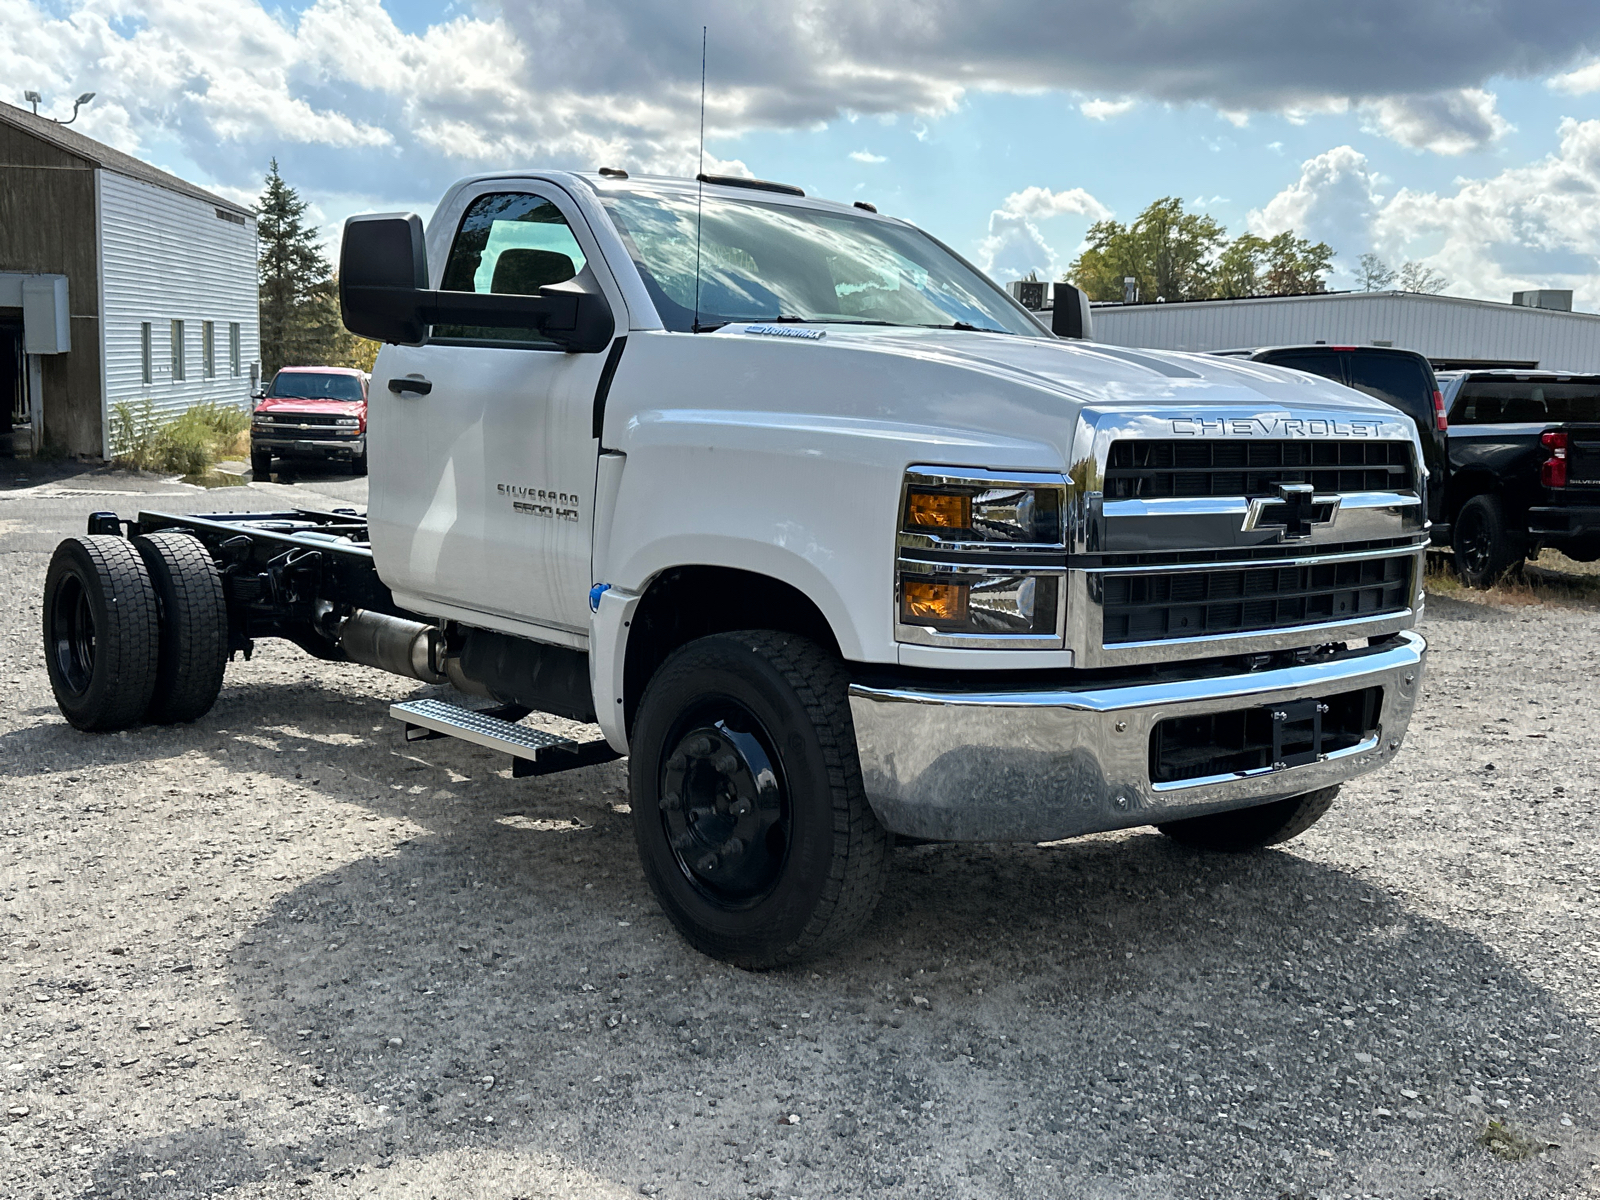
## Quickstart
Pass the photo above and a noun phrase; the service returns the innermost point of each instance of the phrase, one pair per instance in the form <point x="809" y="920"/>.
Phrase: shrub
<point x="187" y="444"/>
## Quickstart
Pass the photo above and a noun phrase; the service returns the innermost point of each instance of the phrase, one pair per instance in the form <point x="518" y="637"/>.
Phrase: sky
<point x="1462" y="136"/>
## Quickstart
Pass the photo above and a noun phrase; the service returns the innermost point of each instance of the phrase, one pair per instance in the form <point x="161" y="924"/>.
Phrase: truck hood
<point x="1097" y="374"/>
<point x="289" y="405"/>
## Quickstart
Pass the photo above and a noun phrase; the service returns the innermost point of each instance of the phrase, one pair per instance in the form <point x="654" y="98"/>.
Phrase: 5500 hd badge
<point x="538" y="502"/>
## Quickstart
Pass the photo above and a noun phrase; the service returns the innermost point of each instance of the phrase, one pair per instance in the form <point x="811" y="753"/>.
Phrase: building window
<point x="208" y="348"/>
<point x="147" y="360"/>
<point x="234" y="362"/>
<point x="177" y="352"/>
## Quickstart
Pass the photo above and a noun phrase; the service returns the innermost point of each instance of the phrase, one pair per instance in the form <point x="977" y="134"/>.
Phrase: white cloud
<point x="1237" y="118"/>
<point x="1099" y="110"/>
<point x="867" y="156"/>
<point x="1015" y="246"/>
<point x="1335" y="200"/>
<point x="1579" y="82"/>
<point x="1527" y="227"/>
<point x="1450" y="122"/>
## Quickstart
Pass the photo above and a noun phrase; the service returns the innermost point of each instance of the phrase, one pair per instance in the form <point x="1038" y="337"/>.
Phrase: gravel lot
<point x="281" y="952"/>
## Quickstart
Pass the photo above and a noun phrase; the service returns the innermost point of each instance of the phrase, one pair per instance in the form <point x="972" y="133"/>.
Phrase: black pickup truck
<point x="1524" y="469"/>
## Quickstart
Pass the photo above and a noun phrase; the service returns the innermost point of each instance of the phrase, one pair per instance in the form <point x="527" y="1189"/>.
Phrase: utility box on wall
<point x="46" y="317"/>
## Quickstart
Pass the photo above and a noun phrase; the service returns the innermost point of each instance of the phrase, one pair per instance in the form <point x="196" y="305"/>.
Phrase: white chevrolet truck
<point x="834" y="540"/>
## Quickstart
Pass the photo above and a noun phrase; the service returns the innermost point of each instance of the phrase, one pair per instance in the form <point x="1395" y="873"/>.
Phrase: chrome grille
<point x="1168" y="468"/>
<point x="1186" y="604"/>
<point x="1186" y="542"/>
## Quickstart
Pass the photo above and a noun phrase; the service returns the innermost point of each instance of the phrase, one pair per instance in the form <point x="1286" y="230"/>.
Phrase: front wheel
<point x="1253" y="828"/>
<point x="1484" y="548"/>
<point x="261" y="465"/>
<point x="753" y="829"/>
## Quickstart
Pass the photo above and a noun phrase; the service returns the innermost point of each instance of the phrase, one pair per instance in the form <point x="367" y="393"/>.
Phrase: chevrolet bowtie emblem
<point x="1296" y="510"/>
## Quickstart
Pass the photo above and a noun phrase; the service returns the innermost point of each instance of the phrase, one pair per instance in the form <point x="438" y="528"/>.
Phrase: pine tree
<point x="299" y="324"/>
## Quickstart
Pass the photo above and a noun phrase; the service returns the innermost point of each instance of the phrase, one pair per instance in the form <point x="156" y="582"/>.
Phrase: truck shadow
<point x="507" y="982"/>
<point x="502" y="979"/>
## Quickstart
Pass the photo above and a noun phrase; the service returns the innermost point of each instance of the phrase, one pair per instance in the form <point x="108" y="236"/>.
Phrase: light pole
<point x="35" y="99"/>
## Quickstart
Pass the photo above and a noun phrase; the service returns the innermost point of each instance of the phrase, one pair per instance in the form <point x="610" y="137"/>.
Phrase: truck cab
<point x="837" y="543"/>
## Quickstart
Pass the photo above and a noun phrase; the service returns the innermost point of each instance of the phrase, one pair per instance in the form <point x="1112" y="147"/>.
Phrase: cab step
<point x="532" y="751"/>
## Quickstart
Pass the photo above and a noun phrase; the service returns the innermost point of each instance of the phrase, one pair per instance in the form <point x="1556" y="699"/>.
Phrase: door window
<point x="509" y="244"/>
<point x="1315" y="362"/>
<point x="1396" y="379"/>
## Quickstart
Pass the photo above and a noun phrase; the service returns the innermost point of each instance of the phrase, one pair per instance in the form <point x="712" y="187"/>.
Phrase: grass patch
<point x="1552" y="578"/>
<point x="189" y="444"/>
<point x="1509" y="1144"/>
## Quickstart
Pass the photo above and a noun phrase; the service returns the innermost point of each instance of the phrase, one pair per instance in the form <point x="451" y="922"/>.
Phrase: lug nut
<point x="733" y="846"/>
<point x="699" y="747"/>
<point x="671" y="802"/>
<point x="708" y="863"/>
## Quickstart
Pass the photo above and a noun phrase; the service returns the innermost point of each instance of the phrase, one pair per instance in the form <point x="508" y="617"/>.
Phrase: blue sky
<point x="1004" y="127"/>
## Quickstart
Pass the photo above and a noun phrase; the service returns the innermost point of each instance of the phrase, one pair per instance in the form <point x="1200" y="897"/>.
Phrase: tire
<point x="194" y="627"/>
<point x="1483" y="548"/>
<point x="358" y="464"/>
<point x="756" y="727"/>
<point x="261" y="465"/>
<point x="1252" y="828"/>
<point x="101" y="632"/>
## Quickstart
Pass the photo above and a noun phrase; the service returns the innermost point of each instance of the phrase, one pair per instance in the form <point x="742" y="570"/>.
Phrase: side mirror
<point x="383" y="274"/>
<point x="1070" y="317"/>
<point x="384" y="293"/>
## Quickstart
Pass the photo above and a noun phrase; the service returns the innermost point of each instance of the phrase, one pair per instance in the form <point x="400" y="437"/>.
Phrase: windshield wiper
<point x="965" y="328"/>
<point x="789" y="320"/>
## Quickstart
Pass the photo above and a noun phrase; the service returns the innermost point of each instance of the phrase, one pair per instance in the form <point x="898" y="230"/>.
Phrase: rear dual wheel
<point x="134" y="630"/>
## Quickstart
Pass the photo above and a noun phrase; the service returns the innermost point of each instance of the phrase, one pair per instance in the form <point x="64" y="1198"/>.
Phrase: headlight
<point x="349" y="422"/>
<point x="952" y="510"/>
<point x="981" y="559"/>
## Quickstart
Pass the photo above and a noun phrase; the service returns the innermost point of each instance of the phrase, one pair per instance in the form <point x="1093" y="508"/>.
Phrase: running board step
<point x="533" y="751"/>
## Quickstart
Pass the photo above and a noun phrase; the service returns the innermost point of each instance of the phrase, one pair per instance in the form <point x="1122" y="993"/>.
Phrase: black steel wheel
<point x="100" y="632"/>
<point x="724" y="804"/>
<point x="1252" y="828"/>
<point x="1484" y="549"/>
<point x="753" y="829"/>
<point x="194" y="626"/>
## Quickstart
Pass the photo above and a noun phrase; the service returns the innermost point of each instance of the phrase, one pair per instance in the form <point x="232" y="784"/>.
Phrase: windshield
<point x="1519" y="401"/>
<point x="774" y="262"/>
<point x="315" y="385"/>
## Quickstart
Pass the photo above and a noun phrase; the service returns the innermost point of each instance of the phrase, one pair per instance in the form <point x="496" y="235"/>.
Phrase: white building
<point x="1451" y="331"/>
<point x="118" y="283"/>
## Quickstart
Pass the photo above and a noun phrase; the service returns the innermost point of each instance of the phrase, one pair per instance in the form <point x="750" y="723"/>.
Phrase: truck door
<point x="483" y="477"/>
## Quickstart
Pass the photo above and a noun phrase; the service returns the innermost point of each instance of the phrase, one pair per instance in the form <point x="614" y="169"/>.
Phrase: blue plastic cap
<point x="598" y="590"/>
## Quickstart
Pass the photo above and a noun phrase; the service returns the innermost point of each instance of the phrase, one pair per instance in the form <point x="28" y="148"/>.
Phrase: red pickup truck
<point x="311" y="412"/>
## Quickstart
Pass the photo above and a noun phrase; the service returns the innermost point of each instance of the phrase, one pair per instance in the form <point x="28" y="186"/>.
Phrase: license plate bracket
<point x="1296" y="733"/>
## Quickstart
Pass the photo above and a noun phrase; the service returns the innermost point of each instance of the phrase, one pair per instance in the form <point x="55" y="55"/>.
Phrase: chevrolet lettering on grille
<point x="1273" y="427"/>
<point x="1296" y="510"/>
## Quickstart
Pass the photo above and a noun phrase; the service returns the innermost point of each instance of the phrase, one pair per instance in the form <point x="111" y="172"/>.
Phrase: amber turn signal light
<point x="924" y="603"/>
<point x="938" y="510"/>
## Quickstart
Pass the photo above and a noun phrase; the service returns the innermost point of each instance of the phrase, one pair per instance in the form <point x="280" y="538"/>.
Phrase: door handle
<point x="420" y="386"/>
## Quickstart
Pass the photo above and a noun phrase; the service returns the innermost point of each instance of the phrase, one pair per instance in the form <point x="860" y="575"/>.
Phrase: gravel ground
<point x="281" y="952"/>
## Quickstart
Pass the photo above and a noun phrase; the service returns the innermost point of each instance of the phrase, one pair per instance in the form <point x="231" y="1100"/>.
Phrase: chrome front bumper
<point x="285" y="447"/>
<point x="1025" y="765"/>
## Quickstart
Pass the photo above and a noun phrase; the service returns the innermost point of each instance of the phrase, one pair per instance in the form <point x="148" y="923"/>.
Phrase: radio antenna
<point x="700" y="179"/>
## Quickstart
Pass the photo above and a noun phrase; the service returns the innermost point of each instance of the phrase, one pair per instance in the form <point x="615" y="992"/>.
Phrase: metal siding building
<point x="1442" y="327"/>
<point x="136" y="255"/>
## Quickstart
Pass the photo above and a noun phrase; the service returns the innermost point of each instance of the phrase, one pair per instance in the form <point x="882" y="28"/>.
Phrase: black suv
<point x="1524" y="468"/>
<point x="1402" y="378"/>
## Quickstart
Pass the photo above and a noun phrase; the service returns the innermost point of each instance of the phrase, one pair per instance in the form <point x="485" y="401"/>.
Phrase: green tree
<point x="1238" y="269"/>
<point x="1296" y="266"/>
<point x="1373" y="274"/>
<point x="300" y="323"/>
<point x="1168" y="251"/>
